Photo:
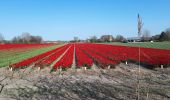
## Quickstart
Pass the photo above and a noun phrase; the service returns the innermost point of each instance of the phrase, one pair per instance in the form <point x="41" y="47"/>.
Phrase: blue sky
<point x="64" y="19"/>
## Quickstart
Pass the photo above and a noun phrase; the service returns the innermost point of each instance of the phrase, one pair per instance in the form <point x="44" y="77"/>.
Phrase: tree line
<point x="118" y="38"/>
<point x="164" y="36"/>
<point x="25" y="37"/>
<point x="145" y="37"/>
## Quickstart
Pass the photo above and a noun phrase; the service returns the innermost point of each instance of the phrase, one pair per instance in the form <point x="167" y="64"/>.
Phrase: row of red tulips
<point x="66" y="60"/>
<point x="32" y="60"/>
<point x="102" y="55"/>
<point x="48" y="60"/>
<point x="81" y="58"/>
<point x="100" y="60"/>
<point x="124" y="53"/>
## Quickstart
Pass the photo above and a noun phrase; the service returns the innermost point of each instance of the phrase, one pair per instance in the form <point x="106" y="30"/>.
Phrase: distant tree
<point x="140" y="25"/>
<point x="163" y="37"/>
<point x="146" y="35"/>
<point x="119" y="38"/>
<point x="36" y="39"/>
<point x="1" y="38"/>
<point x="20" y="40"/>
<point x="167" y="31"/>
<point x="15" y="40"/>
<point x="93" y="39"/>
<point x="27" y="38"/>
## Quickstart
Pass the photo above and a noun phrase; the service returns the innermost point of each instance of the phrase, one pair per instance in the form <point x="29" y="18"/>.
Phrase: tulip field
<point x="83" y="54"/>
<point x="12" y="53"/>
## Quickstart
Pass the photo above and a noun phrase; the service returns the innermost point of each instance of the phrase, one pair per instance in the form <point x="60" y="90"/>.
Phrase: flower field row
<point x="100" y="60"/>
<point x="124" y="53"/>
<point x="13" y="53"/>
<point x="81" y="58"/>
<point x="48" y="60"/>
<point x="31" y="60"/>
<point x="67" y="60"/>
<point x="87" y="54"/>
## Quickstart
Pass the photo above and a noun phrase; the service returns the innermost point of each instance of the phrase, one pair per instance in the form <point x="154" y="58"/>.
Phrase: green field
<point x="160" y="45"/>
<point x="6" y="60"/>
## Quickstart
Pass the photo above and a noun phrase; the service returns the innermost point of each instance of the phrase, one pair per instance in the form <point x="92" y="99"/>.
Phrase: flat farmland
<point x="87" y="54"/>
<point x="159" y="45"/>
<point x="12" y="53"/>
<point x="84" y="71"/>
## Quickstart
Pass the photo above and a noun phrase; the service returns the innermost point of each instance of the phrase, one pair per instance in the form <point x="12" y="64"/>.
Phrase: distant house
<point x="134" y="39"/>
<point x="106" y="38"/>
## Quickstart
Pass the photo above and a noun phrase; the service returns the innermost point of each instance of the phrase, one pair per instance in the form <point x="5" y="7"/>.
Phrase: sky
<point x="65" y="19"/>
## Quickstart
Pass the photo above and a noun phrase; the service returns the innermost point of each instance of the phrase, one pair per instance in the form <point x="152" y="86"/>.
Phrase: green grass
<point x="13" y="59"/>
<point x="159" y="45"/>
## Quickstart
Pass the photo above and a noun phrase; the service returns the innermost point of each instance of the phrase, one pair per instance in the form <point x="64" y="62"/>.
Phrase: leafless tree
<point x="15" y="40"/>
<point x="119" y="38"/>
<point x="146" y="35"/>
<point x="167" y="31"/>
<point x="93" y="39"/>
<point x="26" y="37"/>
<point x="140" y="25"/>
<point x="1" y="38"/>
<point x="36" y="39"/>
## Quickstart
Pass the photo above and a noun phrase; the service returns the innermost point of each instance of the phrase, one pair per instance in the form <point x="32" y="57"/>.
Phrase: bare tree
<point x="146" y="35"/>
<point x="1" y="38"/>
<point x="26" y="37"/>
<point x="15" y="40"/>
<point x="93" y="39"/>
<point x="167" y="31"/>
<point x="119" y="38"/>
<point x="36" y="39"/>
<point x="140" y="25"/>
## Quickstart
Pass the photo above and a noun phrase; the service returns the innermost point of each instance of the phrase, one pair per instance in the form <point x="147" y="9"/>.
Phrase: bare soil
<point x="124" y="82"/>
